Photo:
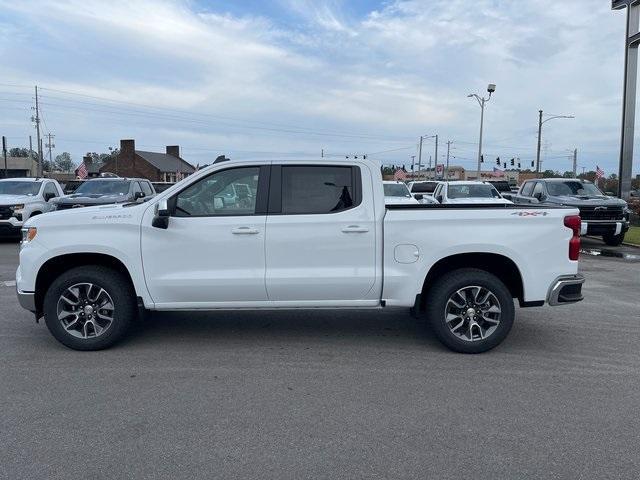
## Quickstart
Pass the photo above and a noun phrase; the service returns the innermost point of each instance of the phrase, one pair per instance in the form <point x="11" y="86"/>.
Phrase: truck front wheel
<point x="613" y="240"/>
<point x="89" y="307"/>
<point x="470" y="310"/>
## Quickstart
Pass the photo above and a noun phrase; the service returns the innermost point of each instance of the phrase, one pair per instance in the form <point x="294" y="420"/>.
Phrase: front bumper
<point x="604" y="227"/>
<point x="27" y="300"/>
<point x="10" y="227"/>
<point x="565" y="290"/>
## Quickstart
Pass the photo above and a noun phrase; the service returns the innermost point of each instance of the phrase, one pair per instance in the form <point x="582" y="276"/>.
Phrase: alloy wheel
<point x="85" y="310"/>
<point x="473" y="313"/>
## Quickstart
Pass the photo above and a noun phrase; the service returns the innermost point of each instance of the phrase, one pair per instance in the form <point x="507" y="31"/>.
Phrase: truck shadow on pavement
<point x="276" y="326"/>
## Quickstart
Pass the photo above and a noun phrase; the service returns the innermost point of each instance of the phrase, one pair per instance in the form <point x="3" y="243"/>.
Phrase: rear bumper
<point x="566" y="289"/>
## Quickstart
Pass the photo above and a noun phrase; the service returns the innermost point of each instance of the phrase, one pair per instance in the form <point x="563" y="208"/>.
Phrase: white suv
<point x="22" y="198"/>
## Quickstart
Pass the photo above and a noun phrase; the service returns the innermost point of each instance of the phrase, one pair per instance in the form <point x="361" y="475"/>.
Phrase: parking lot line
<point x="9" y="283"/>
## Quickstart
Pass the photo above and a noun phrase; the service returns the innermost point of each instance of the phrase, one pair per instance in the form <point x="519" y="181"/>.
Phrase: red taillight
<point x="574" y="223"/>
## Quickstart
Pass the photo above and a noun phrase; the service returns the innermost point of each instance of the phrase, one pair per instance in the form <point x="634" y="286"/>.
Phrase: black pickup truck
<point x="600" y="214"/>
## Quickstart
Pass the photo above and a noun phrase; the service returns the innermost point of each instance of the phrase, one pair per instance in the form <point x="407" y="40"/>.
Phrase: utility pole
<point x="420" y="157"/>
<point x="632" y="42"/>
<point x="31" y="156"/>
<point x="539" y="140"/>
<point x="446" y="170"/>
<point x="575" y="163"/>
<point x="36" y="119"/>
<point x="50" y="145"/>
<point x="436" y="165"/>
<point x="429" y="170"/>
<point x="413" y="164"/>
<point x="4" y="154"/>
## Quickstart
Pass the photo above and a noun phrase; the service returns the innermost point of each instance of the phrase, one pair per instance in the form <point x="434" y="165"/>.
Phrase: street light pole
<point x="540" y="123"/>
<point x="482" y="101"/>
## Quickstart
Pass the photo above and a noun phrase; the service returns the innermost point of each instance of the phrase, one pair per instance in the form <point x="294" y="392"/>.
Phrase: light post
<point x="425" y="137"/>
<point x="482" y="101"/>
<point x="540" y="123"/>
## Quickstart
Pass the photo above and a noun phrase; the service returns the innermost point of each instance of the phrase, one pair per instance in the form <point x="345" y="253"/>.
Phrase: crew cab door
<point x="212" y="252"/>
<point x="321" y="236"/>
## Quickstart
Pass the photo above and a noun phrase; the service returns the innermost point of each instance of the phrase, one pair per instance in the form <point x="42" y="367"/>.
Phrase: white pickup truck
<point x="305" y="234"/>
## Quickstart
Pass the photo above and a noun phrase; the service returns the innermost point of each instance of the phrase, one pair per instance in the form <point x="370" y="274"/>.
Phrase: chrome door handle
<point x="245" y="231"/>
<point x="355" y="229"/>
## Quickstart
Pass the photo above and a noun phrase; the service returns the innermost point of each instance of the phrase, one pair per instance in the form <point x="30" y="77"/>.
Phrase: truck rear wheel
<point x="613" y="240"/>
<point x="470" y="310"/>
<point x="89" y="307"/>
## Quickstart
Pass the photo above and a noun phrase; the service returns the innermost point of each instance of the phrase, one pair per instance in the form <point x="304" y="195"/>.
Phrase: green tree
<point x="63" y="162"/>
<point x="18" y="152"/>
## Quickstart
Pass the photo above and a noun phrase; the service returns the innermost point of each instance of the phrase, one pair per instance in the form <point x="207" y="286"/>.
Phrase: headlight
<point x="28" y="234"/>
<point x="17" y="207"/>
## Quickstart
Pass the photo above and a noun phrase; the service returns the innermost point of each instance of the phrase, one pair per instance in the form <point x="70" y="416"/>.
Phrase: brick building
<point x="157" y="167"/>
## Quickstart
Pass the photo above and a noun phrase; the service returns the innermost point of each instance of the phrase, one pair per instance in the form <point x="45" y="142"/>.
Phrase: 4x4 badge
<point x="531" y="214"/>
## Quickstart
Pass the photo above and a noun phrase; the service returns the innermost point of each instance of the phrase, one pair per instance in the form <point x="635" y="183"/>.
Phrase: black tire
<point x="614" y="240"/>
<point x="116" y="285"/>
<point x="447" y="286"/>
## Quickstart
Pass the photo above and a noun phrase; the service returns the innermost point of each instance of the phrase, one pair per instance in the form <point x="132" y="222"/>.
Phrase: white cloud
<point x="398" y="71"/>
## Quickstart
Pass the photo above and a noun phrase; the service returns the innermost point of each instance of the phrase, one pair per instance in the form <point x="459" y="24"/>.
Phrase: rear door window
<point x="320" y="189"/>
<point x="146" y="188"/>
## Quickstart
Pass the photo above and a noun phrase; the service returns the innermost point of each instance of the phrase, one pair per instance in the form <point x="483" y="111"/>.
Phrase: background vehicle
<point x="103" y="191"/>
<point x="316" y="234"/>
<point x="600" y="214"/>
<point x="504" y="188"/>
<point x="22" y="198"/>
<point x="468" y="192"/>
<point x="398" y="193"/>
<point x="424" y="188"/>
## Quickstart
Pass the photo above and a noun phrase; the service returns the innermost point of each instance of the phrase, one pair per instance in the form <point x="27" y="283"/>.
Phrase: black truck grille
<point x="5" y="213"/>
<point x="601" y="213"/>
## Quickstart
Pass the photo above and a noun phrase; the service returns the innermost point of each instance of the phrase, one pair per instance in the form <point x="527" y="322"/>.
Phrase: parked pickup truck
<point x="600" y="214"/>
<point x="312" y="234"/>
<point x="23" y="198"/>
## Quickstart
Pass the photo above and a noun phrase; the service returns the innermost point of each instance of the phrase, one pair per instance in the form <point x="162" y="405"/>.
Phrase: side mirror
<point x="439" y="198"/>
<point x="538" y="196"/>
<point x="48" y="196"/>
<point x="138" y="195"/>
<point x="418" y="196"/>
<point x="161" y="218"/>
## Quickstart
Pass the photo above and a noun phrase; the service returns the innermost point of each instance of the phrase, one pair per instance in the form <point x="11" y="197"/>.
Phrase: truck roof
<point x="23" y="179"/>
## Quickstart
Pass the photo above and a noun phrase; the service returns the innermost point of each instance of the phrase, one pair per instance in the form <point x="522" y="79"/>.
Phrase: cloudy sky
<point x="292" y="77"/>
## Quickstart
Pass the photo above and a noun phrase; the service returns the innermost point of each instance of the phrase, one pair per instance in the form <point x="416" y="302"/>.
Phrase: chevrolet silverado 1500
<point x="302" y="234"/>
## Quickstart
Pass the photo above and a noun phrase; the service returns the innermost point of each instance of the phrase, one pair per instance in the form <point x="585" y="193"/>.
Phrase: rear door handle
<point x="355" y="229"/>
<point x="245" y="231"/>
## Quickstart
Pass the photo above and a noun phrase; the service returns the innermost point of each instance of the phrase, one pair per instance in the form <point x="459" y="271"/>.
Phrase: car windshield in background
<point x="426" y="187"/>
<point x="19" y="188"/>
<point x="396" y="190"/>
<point x="572" y="187"/>
<point x="103" y="187"/>
<point x="502" y="186"/>
<point x="472" y="191"/>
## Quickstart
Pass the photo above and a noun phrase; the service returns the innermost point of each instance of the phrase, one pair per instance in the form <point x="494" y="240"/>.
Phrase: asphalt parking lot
<point x="329" y="394"/>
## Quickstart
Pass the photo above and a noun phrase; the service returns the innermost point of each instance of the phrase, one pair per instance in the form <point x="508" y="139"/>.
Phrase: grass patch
<point x="633" y="236"/>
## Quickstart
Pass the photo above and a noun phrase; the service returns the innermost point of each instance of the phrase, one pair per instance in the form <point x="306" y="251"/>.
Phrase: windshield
<point x="502" y="186"/>
<point x="572" y="187"/>
<point x="424" y="187"/>
<point x="472" y="191"/>
<point x="19" y="188"/>
<point x="103" y="187"/>
<point x="396" y="190"/>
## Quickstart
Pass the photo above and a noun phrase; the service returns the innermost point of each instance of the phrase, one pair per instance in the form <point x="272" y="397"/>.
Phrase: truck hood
<point x="113" y="213"/>
<point x="91" y="199"/>
<point x="587" y="201"/>
<point x="501" y="201"/>
<point x="16" y="199"/>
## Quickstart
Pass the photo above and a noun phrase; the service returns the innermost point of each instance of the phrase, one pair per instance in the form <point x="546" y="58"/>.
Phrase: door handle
<point x="355" y="229"/>
<point x="245" y="231"/>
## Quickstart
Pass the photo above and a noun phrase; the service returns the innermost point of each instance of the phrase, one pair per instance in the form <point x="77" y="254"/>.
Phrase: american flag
<point x="400" y="174"/>
<point x="82" y="171"/>
<point x="599" y="173"/>
<point x="497" y="172"/>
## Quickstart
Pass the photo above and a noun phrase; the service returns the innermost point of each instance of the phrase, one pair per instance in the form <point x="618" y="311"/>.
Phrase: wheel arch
<point x="54" y="267"/>
<point x="499" y="265"/>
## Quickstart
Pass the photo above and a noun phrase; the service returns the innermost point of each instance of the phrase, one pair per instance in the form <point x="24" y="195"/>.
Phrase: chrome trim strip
<point x="558" y="284"/>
